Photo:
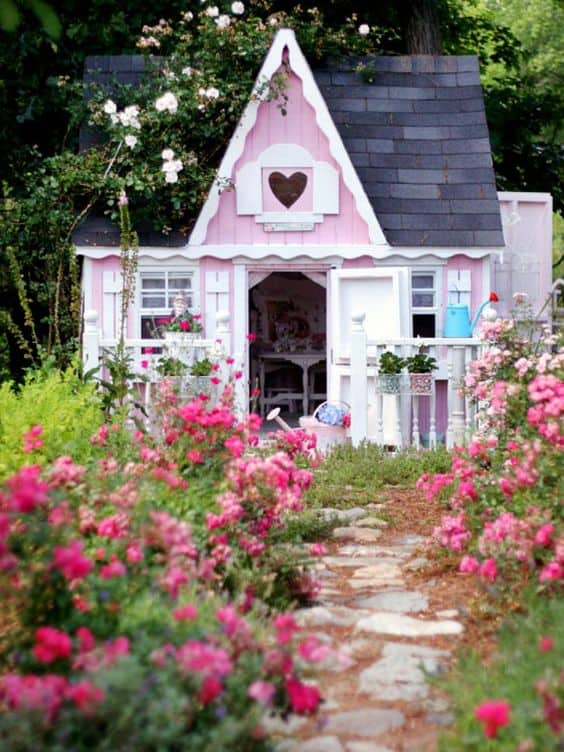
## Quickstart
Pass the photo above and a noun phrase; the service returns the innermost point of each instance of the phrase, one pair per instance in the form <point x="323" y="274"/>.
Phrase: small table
<point x="302" y="359"/>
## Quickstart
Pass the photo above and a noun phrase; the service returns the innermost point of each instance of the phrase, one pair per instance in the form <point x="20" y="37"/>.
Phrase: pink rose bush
<point x="505" y="488"/>
<point x="136" y="580"/>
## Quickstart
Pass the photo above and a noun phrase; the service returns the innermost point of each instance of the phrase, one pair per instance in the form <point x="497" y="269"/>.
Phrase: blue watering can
<point x="457" y="318"/>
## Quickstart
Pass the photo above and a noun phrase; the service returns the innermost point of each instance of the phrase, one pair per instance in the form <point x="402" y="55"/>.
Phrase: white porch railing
<point x="361" y="367"/>
<point x="94" y="347"/>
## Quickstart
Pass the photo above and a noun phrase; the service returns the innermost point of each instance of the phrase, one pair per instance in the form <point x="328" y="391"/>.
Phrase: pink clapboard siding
<point x="299" y="126"/>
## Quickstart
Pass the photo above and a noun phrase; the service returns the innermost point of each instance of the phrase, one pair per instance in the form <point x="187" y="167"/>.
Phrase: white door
<point x="382" y="294"/>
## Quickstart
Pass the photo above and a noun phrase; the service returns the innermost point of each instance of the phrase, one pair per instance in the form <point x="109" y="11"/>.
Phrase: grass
<point x="353" y="476"/>
<point x="517" y="666"/>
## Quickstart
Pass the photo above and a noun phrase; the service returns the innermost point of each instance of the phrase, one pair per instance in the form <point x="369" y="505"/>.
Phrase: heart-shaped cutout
<point x="287" y="190"/>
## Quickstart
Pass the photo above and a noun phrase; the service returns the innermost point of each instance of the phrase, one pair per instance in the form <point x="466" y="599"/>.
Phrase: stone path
<point x="381" y="701"/>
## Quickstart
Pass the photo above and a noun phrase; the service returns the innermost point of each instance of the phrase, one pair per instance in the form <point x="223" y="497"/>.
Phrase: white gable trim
<point x="299" y="65"/>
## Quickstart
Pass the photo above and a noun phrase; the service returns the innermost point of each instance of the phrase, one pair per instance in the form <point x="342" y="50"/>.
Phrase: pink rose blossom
<point x="493" y="714"/>
<point x="262" y="691"/>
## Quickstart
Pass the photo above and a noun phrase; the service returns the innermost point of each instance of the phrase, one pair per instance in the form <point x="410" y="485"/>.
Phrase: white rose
<point x="167" y="154"/>
<point x="364" y="30"/>
<point x="167" y="102"/>
<point x="212" y="11"/>
<point x="110" y="107"/>
<point x="171" y="177"/>
<point x="238" y="8"/>
<point x="130" y="141"/>
<point x="212" y="93"/>
<point x="222" y="22"/>
<point x="188" y="16"/>
<point x="187" y="71"/>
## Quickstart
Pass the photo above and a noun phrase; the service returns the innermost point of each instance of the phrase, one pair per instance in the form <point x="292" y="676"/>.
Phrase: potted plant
<point x="390" y="367"/>
<point x="420" y="367"/>
<point x="200" y="372"/>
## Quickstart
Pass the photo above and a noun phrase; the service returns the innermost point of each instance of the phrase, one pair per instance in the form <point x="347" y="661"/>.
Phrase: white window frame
<point x="190" y="270"/>
<point x="437" y="290"/>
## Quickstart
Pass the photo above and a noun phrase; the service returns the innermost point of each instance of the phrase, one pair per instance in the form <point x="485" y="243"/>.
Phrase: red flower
<point x="493" y="714"/>
<point x="304" y="698"/>
<point x="546" y="644"/>
<point x="85" y="695"/>
<point x="210" y="689"/>
<point x="71" y="562"/>
<point x="184" y="326"/>
<point x="251" y="337"/>
<point x="51" y="644"/>
<point x="493" y="297"/>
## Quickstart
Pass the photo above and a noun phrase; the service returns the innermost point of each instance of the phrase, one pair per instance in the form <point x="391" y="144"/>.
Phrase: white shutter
<point x="111" y="285"/>
<point x="217" y="298"/>
<point x="460" y="286"/>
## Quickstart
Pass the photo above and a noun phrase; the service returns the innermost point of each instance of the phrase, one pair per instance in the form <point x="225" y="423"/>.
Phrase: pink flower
<point x="304" y="698"/>
<point x="251" y="337"/>
<point x="195" y="456"/>
<point x="27" y="491"/>
<point x="144" y="364"/>
<point x="468" y="564"/>
<point x="318" y="549"/>
<point x="488" y="569"/>
<point x="71" y="562"/>
<point x="234" y="445"/>
<point x="113" y="569"/>
<point x="134" y="553"/>
<point x="86" y="640"/>
<point x="184" y="326"/>
<point x="546" y="644"/>
<point x="50" y="644"/>
<point x="543" y="535"/>
<point x="551" y="572"/>
<point x="188" y="612"/>
<point x="285" y="627"/>
<point x="262" y="691"/>
<point x="493" y="714"/>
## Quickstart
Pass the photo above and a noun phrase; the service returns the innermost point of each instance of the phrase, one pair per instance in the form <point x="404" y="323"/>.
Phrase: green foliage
<point x="201" y="367"/>
<point x="390" y="363"/>
<point x="65" y="407"/>
<point x="351" y="476"/>
<point x="513" y="674"/>
<point x="420" y="362"/>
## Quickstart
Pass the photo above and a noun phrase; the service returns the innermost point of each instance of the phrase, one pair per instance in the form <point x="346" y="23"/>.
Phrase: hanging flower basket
<point x="329" y="423"/>
<point x="421" y="383"/>
<point x="389" y="383"/>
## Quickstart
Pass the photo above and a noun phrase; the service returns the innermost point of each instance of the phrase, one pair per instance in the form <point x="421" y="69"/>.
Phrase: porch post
<point x="458" y="371"/>
<point x="90" y="341"/>
<point x="359" y="380"/>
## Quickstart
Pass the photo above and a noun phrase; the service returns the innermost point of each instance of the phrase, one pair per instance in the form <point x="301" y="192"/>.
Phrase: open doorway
<point x="288" y="367"/>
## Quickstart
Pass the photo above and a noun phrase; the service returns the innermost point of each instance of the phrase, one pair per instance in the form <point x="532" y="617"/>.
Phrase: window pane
<point x="153" y="301"/>
<point x="179" y="282"/>
<point x="149" y="327"/>
<point x="422" y="281"/>
<point x="153" y="282"/>
<point x="424" y="325"/>
<point x="423" y="299"/>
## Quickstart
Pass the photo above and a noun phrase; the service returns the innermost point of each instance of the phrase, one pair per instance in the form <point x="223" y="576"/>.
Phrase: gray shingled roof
<point x="416" y="134"/>
<point x="418" y="138"/>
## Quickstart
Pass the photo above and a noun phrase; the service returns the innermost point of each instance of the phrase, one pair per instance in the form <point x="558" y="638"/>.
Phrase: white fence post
<point x="458" y="403"/>
<point x="90" y="341"/>
<point x="359" y="380"/>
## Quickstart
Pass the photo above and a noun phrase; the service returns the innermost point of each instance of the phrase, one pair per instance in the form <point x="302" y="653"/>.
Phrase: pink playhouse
<point x="353" y="223"/>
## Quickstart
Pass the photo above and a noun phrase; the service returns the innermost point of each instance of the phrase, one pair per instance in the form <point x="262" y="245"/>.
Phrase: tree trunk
<point x="422" y="31"/>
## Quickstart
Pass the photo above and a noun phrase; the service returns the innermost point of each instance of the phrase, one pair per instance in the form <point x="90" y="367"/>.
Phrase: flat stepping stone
<point x="448" y="613"/>
<point x="399" y="674"/>
<point x="367" y="722"/>
<point x="419" y="563"/>
<point x="343" y="515"/>
<point x="410" y="540"/>
<point x="371" y="551"/>
<point x="402" y="601"/>
<point x="359" y="534"/>
<point x="366" y="747"/>
<point x="317" y="744"/>
<point x="371" y="522"/>
<point x="387" y="622"/>
<point x="353" y="561"/>
<point x="383" y="570"/>
<point x="318" y="616"/>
